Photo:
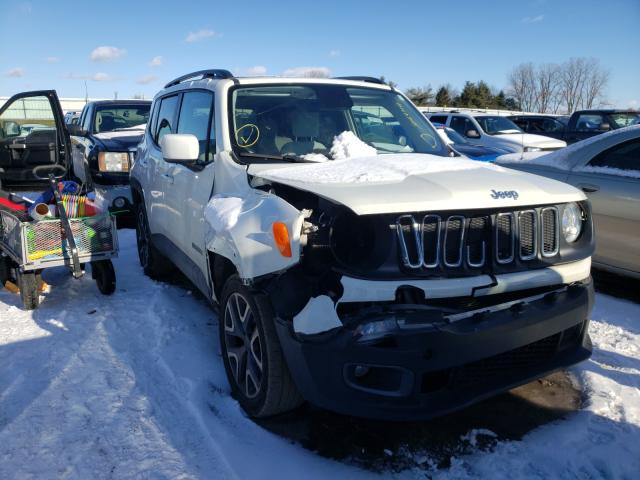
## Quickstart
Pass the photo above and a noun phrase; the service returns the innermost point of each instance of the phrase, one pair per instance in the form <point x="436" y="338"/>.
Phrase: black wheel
<point x="29" y="292"/>
<point x="154" y="264"/>
<point x="253" y="360"/>
<point x="5" y="270"/>
<point x="105" y="276"/>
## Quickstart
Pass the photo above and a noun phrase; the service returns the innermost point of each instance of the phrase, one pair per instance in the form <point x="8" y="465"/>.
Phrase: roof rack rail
<point x="359" y="78"/>
<point x="214" y="73"/>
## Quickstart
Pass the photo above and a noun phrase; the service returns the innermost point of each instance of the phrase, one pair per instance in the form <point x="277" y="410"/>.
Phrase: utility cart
<point x="39" y="158"/>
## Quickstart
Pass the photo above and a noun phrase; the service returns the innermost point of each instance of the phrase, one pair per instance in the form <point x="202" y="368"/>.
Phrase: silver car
<point x="607" y="168"/>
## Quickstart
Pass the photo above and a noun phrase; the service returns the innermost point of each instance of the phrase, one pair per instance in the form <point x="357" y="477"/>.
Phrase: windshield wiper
<point x="287" y="157"/>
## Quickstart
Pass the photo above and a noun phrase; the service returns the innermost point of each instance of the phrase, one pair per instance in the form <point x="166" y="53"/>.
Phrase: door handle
<point x="588" y="187"/>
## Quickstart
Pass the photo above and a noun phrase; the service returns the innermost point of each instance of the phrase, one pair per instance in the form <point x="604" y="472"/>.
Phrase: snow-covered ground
<point x="132" y="386"/>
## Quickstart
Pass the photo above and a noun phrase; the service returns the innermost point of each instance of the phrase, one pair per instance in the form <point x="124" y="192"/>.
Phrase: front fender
<point x="248" y="242"/>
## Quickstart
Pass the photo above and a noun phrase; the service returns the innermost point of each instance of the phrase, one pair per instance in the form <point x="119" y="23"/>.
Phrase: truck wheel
<point x="253" y="360"/>
<point x="105" y="276"/>
<point x="154" y="264"/>
<point x="29" y="292"/>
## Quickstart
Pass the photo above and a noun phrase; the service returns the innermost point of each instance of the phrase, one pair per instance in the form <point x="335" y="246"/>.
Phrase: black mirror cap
<point x="77" y="131"/>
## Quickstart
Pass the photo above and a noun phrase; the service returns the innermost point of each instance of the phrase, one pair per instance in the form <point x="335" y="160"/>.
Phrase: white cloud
<point x="156" y="61"/>
<point x="200" y="35"/>
<point x="309" y="72"/>
<point x="53" y="59"/>
<point x="106" y="54"/>
<point x="536" y="19"/>
<point x="634" y="103"/>
<point x="147" y="79"/>
<point x="101" y="77"/>
<point x="15" y="72"/>
<point x="334" y="53"/>
<point x="257" y="71"/>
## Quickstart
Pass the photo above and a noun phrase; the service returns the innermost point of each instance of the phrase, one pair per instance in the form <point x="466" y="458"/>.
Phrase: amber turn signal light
<point x="281" y="236"/>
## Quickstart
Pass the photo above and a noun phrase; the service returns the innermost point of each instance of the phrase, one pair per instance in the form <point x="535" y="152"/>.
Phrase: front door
<point x="32" y="134"/>
<point x="188" y="187"/>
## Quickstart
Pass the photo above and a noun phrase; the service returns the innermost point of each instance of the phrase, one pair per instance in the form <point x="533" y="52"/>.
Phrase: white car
<point x="359" y="264"/>
<point x="495" y="131"/>
<point x="607" y="168"/>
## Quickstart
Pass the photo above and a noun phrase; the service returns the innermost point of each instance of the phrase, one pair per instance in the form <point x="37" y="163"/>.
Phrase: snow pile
<point x="388" y="168"/>
<point x="348" y="145"/>
<point x="315" y="157"/>
<point x="222" y="212"/>
<point x="611" y="171"/>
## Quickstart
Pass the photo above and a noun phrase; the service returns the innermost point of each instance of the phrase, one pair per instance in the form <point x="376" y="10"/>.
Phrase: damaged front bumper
<point x="416" y="363"/>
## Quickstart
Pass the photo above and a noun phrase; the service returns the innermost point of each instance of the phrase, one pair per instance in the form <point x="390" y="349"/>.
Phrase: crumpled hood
<point x="531" y="140"/>
<point x="120" y="141"/>
<point x="394" y="183"/>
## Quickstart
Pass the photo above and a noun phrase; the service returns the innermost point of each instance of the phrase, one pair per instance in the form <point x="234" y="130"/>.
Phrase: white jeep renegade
<point x="358" y="263"/>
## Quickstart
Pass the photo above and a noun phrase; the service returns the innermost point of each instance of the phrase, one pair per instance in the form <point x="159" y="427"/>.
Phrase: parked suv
<point x="365" y="270"/>
<point x="495" y="131"/>
<point x="104" y="142"/>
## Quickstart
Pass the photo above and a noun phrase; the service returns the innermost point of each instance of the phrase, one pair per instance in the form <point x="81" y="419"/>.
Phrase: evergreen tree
<point x="420" y="96"/>
<point x="443" y="97"/>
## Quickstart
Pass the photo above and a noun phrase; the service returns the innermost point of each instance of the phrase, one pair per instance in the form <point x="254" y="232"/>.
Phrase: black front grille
<point x="431" y="242"/>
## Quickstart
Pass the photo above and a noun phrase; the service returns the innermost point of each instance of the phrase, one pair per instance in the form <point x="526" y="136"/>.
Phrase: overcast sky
<point x="134" y="47"/>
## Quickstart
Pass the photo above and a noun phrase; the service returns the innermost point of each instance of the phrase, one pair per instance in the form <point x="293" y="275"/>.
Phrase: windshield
<point x="272" y="121"/>
<point x="625" y="119"/>
<point x="497" y="125"/>
<point x="109" y="117"/>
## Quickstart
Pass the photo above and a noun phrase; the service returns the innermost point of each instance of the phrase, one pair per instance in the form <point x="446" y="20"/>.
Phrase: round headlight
<point x="571" y="222"/>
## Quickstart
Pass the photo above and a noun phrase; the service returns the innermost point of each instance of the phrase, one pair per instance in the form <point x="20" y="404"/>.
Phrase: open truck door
<point x="32" y="134"/>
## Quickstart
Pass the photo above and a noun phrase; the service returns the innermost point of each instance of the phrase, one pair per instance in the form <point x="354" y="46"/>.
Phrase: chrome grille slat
<point x="527" y="234"/>
<point x="549" y="231"/>
<point x="457" y="223"/>
<point x="505" y="237"/>
<point x="431" y="228"/>
<point x="413" y="227"/>
<point x="477" y="228"/>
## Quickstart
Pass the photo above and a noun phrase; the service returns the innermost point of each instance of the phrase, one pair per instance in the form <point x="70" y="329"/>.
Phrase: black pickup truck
<point x="104" y="144"/>
<point x="580" y="125"/>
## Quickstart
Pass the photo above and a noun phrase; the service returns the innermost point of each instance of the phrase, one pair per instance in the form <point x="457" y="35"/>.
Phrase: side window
<point x="438" y="119"/>
<point x="625" y="156"/>
<point x="166" y="118"/>
<point x="550" y="125"/>
<point x="522" y="123"/>
<point x="153" y="118"/>
<point x="195" y="113"/>
<point x="461" y="125"/>
<point x="29" y="117"/>
<point x="588" y="122"/>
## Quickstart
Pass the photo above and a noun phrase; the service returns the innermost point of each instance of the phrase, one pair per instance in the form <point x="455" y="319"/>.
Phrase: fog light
<point x="119" y="202"/>
<point x="360" y="371"/>
<point x="371" y="330"/>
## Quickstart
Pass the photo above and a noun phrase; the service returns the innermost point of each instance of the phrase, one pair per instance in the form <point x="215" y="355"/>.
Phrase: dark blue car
<point x="465" y="147"/>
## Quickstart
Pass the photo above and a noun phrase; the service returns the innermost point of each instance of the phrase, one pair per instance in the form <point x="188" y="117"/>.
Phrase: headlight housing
<point x="113" y="161"/>
<point x="532" y="149"/>
<point x="572" y="219"/>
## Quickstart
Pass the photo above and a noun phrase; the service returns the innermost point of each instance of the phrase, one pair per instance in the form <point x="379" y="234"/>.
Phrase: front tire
<point x="154" y="264"/>
<point x="253" y="359"/>
<point x="105" y="276"/>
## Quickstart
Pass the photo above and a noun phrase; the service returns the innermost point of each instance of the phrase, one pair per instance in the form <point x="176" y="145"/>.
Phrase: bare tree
<point x="523" y="86"/>
<point x="547" y="87"/>
<point x="574" y="75"/>
<point x="595" y="84"/>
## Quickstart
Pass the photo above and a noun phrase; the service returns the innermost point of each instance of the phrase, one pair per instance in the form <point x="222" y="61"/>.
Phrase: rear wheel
<point x="253" y="359"/>
<point x="29" y="291"/>
<point x="105" y="276"/>
<point x="154" y="264"/>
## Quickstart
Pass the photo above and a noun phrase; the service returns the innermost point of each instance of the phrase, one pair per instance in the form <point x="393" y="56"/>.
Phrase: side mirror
<point x="605" y="127"/>
<point x="180" y="148"/>
<point x="77" y="131"/>
<point x="472" y="134"/>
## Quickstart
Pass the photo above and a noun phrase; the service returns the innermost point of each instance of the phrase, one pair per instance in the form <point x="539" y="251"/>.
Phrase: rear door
<point x="32" y="134"/>
<point x="612" y="181"/>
